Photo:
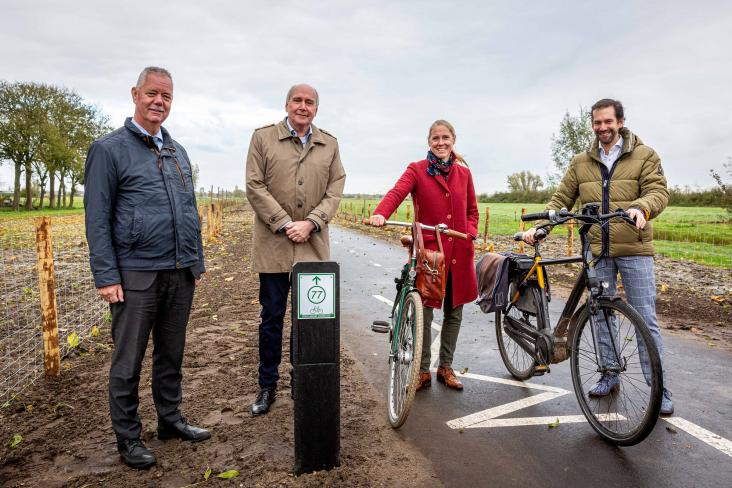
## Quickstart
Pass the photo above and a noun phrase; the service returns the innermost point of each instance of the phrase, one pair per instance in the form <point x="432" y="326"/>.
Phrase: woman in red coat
<point x="442" y="190"/>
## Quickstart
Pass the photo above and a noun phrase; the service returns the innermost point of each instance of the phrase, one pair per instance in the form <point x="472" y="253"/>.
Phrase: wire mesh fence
<point x="79" y="312"/>
<point x="21" y="342"/>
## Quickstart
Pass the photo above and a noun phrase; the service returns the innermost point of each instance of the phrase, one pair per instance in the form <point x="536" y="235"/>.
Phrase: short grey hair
<point x="152" y="69"/>
<point x="292" y="89"/>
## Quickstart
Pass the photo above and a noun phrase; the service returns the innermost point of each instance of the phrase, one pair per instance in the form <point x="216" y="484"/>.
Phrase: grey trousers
<point x="453" y="317"/>
<point x="639" y="283"/>
<point x="160" y="305"/>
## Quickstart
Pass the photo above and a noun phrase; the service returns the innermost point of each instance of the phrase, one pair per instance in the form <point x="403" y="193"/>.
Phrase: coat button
<point x="449" y="239"/>
<point x="299" y="182"/>
<point x="449" y="216"/>
<point x="299" y="205"/>
<point x="447" y="194"/>
<point x="454" y="261"/>
<point x="272" y="219"/>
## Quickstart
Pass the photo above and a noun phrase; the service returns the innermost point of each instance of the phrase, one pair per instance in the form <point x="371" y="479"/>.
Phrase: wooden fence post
<point x="221" y="218"/>
<point x="409" y="213"/>
<point x="570" y="239"/>
<point x="47" y="287"/>
<point x="210" y="221"/>
<point x="522" y="227"/>
<point x="485" y="227"/>
<point x="369" y="210"/>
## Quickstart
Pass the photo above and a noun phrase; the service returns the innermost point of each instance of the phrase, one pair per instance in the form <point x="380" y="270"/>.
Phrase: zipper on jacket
<point x="606" y="176"/>
<point x="180" y="172"/>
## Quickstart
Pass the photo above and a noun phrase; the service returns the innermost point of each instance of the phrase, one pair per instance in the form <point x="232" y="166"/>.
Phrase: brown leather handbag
<point x="431" y="278"/>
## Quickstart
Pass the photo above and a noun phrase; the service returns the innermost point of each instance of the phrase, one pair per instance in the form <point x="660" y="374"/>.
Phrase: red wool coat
<point x="450" y="202"/>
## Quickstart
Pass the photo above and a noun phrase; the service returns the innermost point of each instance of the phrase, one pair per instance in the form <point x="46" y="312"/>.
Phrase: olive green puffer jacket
<point x="635" y="181"/>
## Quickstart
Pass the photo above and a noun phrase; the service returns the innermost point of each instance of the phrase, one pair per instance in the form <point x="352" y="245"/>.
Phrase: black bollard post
<point x="315" y="355"/>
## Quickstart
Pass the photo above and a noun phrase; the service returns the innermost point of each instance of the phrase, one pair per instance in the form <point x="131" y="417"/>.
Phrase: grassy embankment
<point x="699" y="234"/>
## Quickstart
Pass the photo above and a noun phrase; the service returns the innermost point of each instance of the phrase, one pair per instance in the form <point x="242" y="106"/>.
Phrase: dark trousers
<point x="153" y="301"/>
<point x="273" y="291"/>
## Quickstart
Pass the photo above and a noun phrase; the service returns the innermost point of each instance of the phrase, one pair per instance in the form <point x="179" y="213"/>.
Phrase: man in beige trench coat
<point x="294" y="181"/>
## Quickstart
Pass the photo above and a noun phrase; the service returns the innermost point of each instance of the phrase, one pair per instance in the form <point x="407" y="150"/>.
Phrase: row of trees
<point x="45" y="132"/>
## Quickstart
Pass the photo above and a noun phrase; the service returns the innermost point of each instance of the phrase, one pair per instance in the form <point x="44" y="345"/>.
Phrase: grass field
<point x="699" y="234"/>
<point x="9" y="213"/>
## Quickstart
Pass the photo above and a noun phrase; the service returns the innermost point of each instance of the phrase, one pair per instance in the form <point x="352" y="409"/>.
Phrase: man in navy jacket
<point x="146" y="255"/>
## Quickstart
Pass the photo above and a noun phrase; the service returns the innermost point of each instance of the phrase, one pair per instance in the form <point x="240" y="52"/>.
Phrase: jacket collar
<point x="167" y="140"/>
<point x="284" y="133"/>
<point x="630" y="142"/>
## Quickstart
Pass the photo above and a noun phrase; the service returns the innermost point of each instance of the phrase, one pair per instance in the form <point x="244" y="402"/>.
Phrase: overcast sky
<point x="503" y="73"/>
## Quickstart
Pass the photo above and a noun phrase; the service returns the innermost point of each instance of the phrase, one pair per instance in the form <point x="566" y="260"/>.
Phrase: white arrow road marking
<point x="714" y="440"/>
<point x="477" y="418"/>
<point x="487" y="418"/>
<point x="562" y="419"/>
<point x="376" y="265"/>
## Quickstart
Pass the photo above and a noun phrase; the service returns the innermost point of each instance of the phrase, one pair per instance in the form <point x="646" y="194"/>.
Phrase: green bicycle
<point x="405" y="330"/>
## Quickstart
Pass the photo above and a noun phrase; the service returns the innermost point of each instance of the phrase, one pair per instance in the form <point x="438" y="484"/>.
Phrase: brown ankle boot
<point x="424" y="381"/>
<point x="447" y="376"/>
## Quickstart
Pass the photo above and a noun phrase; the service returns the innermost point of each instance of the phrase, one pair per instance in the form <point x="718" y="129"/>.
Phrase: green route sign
<point x="316" y="298"/>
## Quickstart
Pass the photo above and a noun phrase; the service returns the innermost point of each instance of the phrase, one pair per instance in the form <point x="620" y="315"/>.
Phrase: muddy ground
<point x="67" y="439"/>
<point x="693" y="299"/>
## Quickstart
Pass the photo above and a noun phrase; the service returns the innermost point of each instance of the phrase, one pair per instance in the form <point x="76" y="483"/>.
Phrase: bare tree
<point x="524" y="182"/>
<point x="575" y="136"/>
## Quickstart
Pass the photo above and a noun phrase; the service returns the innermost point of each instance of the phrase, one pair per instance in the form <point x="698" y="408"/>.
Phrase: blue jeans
<point x="639" y="283"/>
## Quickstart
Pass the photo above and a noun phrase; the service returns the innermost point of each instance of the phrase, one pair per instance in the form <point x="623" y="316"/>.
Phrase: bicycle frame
<point x="586" y="281"/>
<point x="396" y="312"/>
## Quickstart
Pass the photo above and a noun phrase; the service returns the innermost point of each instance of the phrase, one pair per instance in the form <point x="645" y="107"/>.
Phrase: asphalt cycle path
<point x="496" y="431"/>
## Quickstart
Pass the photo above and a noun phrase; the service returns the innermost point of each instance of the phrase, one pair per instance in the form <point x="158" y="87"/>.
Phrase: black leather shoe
<point x="135" y="454"/>
<point x="182" y="430"/>
<point x="265" y="399"/>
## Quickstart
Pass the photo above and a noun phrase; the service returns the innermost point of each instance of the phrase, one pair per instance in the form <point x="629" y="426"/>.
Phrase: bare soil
<point x="692" y="299"/>
<point x="67" y="439"/>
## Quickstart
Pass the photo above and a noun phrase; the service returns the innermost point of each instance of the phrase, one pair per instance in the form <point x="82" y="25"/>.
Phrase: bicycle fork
<point x="605" y="365"/>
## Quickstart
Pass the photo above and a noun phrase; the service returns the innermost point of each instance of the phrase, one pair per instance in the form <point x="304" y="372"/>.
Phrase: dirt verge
<point x="67" y="440"/>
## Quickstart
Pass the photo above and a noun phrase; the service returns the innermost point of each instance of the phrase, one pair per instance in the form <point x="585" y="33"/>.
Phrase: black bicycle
<point x="604" y="337"/>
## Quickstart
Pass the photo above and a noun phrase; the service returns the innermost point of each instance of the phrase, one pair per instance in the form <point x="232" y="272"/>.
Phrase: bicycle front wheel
<point x="616" y="372"/>
<point x="405" y="359"/>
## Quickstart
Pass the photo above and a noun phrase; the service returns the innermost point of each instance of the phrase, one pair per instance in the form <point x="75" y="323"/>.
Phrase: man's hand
<point x="111" y="293"/>
<point x="638" y="216"/>
<point x="198" y="281"/>
<point x="529" y="236"/>
<point x="377" y="220"/>
<point x="299" y="231"/>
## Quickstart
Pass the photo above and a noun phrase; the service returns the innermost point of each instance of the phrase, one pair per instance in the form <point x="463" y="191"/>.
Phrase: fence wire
<point x="78" y="307"/>
<point x="21" y="337"/>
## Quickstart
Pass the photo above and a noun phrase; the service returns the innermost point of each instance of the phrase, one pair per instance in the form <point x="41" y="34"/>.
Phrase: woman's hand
<point x="377" y="220"/>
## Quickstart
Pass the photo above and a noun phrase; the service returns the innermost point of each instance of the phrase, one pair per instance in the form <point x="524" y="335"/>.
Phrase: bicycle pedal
<point x="541" y="369"/>
<point x="380" y="326"/>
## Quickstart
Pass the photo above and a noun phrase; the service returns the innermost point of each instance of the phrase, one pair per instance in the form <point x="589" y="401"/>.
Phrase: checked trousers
<point x="639" y="282"/>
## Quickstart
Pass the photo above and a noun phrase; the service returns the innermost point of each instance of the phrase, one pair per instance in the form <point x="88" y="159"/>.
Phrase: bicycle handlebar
<point x="439" y="227"/>
<point x="558" y="217"/>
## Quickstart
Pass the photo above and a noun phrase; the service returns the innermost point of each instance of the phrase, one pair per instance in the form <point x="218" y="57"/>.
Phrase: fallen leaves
<point x="15" y="441"/>
<point x="73" y="340"/>
<point x="554" y="424"/>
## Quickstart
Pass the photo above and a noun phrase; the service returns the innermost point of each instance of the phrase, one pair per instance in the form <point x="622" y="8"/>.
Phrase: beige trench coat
<point x="288" y="181"/>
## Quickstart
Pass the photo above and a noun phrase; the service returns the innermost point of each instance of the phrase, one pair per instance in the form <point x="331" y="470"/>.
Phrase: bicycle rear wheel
<point x="404" y="364"/>
<point x="629" y="412"/>
<point x="528" y="309"/>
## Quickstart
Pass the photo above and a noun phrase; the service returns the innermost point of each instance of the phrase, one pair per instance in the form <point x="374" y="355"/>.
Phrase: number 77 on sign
<point x="316" y="297"/>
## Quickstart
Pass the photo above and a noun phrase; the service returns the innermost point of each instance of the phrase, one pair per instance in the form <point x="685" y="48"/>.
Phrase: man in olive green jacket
<point x="294" y="181"/>
<point x="619" y="171"/>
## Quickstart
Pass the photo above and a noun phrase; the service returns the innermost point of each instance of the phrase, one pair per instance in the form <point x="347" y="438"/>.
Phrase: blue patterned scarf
<point x="436" y="166"/>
